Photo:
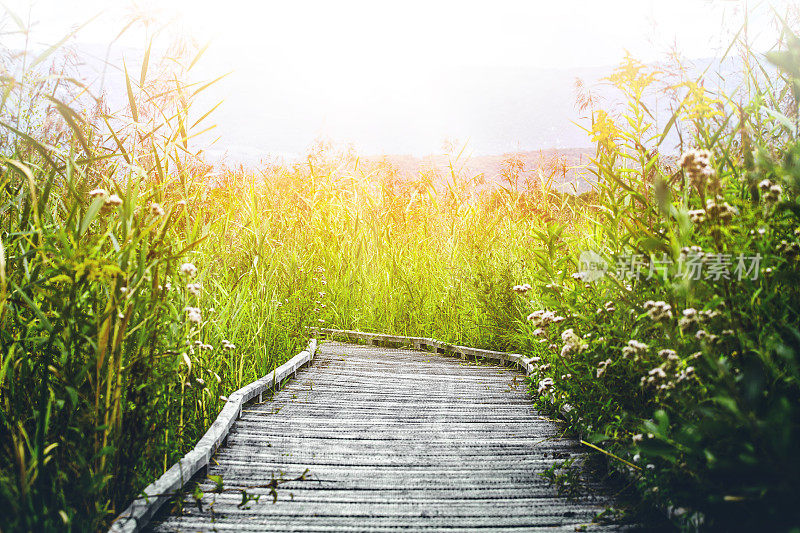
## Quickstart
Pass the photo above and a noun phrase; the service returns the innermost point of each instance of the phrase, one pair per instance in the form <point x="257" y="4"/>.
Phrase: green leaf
<point x="218" y="484"/>
<point x="145" y="62"/>
<point x="91" y="213"/>
<point x="781" y="118"/>
<point x="131" y="98"/>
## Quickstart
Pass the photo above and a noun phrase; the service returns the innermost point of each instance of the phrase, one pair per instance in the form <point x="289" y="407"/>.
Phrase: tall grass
<point x="123" y="320"/>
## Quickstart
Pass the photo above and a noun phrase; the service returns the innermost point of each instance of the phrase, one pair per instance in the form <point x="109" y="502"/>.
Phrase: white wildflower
<point x="521" y="289"/>
<point x="670" y="355"/>
<point x="541" y="317"/>
<point x="545" y="385"/>
<point x="789" y="249"/>
<point x="188" y="269"/>
<point x="114" y="200"/>
<point x="718" y="208"/>
<point x="602" y="367"/>
<point x="688" y="319"/>
<point x="697" y="216"/>
<point x="94" y="193"/>
<point x="634" y="348"/>
<point x="227" y="345"/>
<point x="193" y="314"/>
<point x="193" y="288"/>
<point x="659" y="311"/>
<point x="697" y="165"/>
<point x="771" y="192"/>
<point x="156" y="210"/>
<point x="572" y="343"/>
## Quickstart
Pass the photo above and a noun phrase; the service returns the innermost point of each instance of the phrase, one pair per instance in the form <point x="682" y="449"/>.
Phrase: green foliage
<point x="691" y="380"/>
<point x="115" y="347"/>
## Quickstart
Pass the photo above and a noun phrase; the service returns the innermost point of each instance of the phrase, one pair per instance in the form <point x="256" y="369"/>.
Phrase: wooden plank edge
<point x="143" y="508"/>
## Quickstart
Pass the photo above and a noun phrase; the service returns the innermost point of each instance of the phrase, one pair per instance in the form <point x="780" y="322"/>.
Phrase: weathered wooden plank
<point x="141" y="510"/>
<point x="393" y="438"/>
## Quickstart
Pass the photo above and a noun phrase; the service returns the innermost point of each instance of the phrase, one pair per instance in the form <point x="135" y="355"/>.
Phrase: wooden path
<point x="392" y="439"/>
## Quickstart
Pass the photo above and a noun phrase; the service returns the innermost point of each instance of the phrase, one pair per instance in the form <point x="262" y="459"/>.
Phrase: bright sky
<point x="321" y="62"/>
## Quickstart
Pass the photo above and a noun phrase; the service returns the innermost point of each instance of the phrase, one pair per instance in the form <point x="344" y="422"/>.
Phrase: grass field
<point x="137" y="288"/>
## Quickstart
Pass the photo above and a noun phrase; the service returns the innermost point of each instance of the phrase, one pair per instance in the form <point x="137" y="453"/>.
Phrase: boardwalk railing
<point x="142" y="509"/>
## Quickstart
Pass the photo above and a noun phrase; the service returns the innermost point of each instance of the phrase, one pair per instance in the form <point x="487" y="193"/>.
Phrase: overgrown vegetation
<point x="674" y="337"/>
<point x="137" y="287"/>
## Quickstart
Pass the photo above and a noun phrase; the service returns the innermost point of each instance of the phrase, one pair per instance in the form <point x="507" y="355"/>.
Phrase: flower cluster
<point x="201" y="346"/>
<point x="188" y="270"/>
<point x="602" y="367"/>
<point x="665" y="376"/>
<point x="608" y="307"/>
<point x="580" y="276"/>
<point x="227" y="345"/>
<point x="542" y="318"/>
<point x="790" y="249"/>
<point x="720" y="209"/>
<point x="659" y="311"/>
<point x="156" y="210"/>
<point x="193" y="288"/>
<point x="521" y="289"/>
<point x="691" y="317"/>
<point x="572" y="343"/>
<point x="193" y="314"/>
<point x="669" y="355"/>
<point x="697" y="165"/>
<point x="634" y="348"/>
<point x="770" y="191"/>
<point x="697" y="216"/>
<point x="703" y="335"/>
<point x="545" y="385"/>
<point x="113" y="200"/>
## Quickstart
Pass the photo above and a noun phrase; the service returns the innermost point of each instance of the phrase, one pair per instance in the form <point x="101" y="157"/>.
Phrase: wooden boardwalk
<point x="392" y="439"/>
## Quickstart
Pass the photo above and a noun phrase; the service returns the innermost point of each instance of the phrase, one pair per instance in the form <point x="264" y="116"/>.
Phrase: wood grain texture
<point x="393" y="439"/>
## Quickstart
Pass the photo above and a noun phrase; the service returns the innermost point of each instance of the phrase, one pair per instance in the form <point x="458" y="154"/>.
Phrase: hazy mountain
<point x="498" y="111"/>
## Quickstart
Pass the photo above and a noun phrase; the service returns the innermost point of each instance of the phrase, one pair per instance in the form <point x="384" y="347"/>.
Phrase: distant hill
<point x="564" y="166"/>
